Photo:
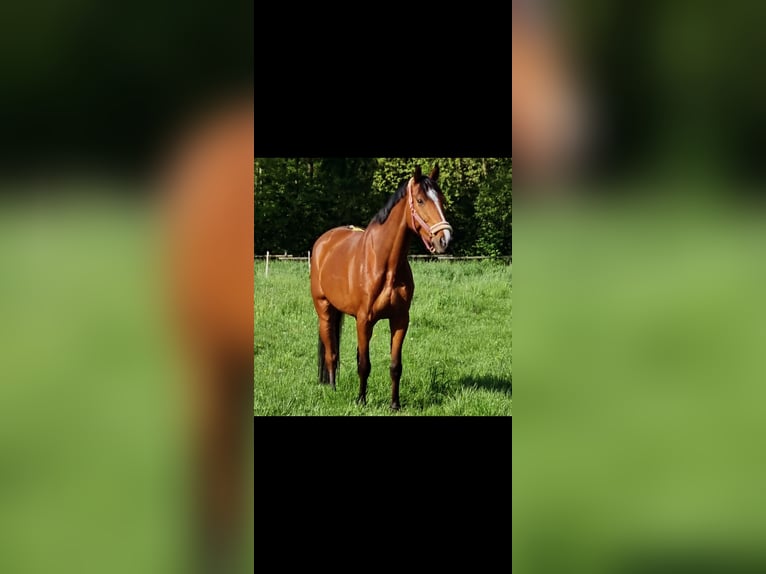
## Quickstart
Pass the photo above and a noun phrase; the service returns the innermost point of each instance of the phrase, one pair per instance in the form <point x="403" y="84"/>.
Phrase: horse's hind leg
<point x="329" y="327"/>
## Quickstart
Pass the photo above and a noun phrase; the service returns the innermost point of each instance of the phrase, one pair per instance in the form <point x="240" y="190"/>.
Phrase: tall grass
<point x="456" y="356"/>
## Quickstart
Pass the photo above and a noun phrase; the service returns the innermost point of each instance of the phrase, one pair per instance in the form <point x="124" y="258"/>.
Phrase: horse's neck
<point x="392" y="241"/>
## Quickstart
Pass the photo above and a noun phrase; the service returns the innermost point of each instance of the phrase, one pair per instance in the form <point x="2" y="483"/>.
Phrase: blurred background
<point x="637" y="139"/>
<point x="125" y="402"/>
<point x="611" y="91"/>
<point x="104" y="86"/>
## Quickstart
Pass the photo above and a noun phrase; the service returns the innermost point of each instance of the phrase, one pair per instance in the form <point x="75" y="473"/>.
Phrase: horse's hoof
<point x="395" y="406"/>
<point x="361" y="401"/>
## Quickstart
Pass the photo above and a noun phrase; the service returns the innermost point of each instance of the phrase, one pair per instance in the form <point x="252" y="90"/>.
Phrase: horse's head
<point x="426" y="202"/>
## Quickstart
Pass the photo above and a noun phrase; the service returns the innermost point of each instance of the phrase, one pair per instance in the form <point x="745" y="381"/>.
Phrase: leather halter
<point x="432" y="229"/>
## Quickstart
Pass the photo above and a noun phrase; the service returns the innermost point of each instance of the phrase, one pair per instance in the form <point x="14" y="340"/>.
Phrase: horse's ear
<point x="435" y="172"/>
<point x="417" y="174"/>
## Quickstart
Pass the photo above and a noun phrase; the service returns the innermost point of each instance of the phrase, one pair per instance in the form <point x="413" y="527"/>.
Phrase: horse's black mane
<point x="382" y="215"/>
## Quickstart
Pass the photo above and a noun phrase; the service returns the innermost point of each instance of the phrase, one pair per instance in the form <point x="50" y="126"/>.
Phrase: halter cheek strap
<point x="415" y="216"/>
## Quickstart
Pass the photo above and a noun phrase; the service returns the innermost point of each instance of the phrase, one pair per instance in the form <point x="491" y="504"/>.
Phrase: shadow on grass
<point x="490" y="383"/>
<point x="440" y="388"/>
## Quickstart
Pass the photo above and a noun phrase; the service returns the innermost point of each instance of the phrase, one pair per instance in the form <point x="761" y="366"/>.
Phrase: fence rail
<point x="286" y="257"/>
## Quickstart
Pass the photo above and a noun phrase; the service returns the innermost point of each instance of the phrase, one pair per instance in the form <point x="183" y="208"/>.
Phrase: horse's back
<point x="340" y="240"/>
<point x="333" y="265"/>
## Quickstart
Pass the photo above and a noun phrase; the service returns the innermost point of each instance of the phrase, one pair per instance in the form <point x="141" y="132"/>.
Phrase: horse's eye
<point x="420" y="201"/>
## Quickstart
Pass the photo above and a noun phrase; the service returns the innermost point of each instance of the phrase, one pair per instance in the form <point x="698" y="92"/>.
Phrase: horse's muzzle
<point x="440" y="241"/>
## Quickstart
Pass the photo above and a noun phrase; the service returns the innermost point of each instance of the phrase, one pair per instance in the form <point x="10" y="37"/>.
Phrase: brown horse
<point x="208" y="202"/>
<point x="367" y="275"/>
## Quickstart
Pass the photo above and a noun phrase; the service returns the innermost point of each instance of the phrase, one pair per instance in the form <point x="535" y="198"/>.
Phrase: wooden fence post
<point x="267" y="264"/>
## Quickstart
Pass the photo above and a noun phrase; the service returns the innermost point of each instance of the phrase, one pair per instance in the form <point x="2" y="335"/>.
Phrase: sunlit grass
<point x="456" y="357"/>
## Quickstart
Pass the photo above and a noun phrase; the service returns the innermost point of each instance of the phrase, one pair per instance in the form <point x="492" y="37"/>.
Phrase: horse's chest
<point x="392" y="298"/>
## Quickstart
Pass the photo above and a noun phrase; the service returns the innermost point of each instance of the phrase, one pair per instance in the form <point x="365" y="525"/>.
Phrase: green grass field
<point x="456" y="357"/>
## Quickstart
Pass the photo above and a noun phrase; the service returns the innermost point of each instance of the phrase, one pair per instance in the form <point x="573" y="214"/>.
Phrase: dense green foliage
<point x="297" y="199"/>
<point x="456" y="356"/>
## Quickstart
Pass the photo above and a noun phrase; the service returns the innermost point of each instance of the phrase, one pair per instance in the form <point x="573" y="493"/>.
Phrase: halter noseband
<point x="432" y="230"/>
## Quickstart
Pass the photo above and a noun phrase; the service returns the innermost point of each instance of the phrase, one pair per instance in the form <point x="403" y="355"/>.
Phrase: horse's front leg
<point x="363" y="367"/>
<point x="398" y="331"/>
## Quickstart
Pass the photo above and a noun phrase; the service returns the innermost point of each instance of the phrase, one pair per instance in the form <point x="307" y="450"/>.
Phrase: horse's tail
<point x="324" y="375"/>
<point x="336" y="322"/>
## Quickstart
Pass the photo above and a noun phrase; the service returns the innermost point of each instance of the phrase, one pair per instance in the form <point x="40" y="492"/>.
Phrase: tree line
<point x="298" y="199"/>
